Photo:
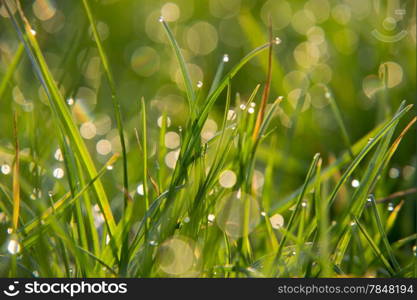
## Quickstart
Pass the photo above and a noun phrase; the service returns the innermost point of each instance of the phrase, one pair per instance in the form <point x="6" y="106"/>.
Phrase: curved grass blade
<point x="218" y="75"/>
<point x="183" y="67"/>
<point x="60" y="110"/>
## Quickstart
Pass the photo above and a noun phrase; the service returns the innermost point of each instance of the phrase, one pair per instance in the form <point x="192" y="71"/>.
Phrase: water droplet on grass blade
<point x="211" y="217"/>
<point x="58" y="173"/>
<point x="390" y="207"/>
<point x="370" y="199"/>
<point x="277" y="41"/>
<point x="13" y="247"/>
<point x="153" y="243"/>
<point x="242" y="106"/>
<point x="251" y="110"/>
<point x="58" y="155"/>
<point x="5" y="169"/>
<point x="110" y="167"/>
<point x="70" y="101"/>
<point x="355" y="183"/>
<point x="161" y="19"/>
<point x="231" y="115"/>
<point x="226" y="58"/>
<point x="199" y="84"/>
<point x="140" y="190"/>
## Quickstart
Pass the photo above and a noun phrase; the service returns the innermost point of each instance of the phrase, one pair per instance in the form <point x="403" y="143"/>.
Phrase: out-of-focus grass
<point x="219" y="185"/>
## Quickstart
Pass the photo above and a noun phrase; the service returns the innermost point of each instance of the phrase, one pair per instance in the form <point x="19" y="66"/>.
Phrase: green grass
<point x="144" y="215"/>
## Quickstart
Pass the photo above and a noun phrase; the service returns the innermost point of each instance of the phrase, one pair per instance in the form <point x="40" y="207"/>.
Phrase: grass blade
<point x="60" y="110"/>
<point x="11" y="69"/>
<point x="116" y="104"/>
<point x="183" y="67"/>
<point x="374" y="247"/>
<point x="16" y="179"/>
<point x="297" y="207"/>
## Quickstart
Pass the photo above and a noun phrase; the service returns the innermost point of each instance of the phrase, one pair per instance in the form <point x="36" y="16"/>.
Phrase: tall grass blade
<point x="60" y="110"/>
<point x="115" y="101"/>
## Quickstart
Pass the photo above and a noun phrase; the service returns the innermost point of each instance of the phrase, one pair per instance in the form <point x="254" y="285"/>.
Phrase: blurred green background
<point x="345" y="44"/>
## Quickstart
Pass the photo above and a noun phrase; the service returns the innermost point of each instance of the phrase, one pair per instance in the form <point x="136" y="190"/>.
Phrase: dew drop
<point x="226" y="58"/>
<point x="140" y="190"/>
<point x="242" y="106"/>
<point x="353" y="223"/>
<point x="211" y="217"/>
<point x="5" y="169"/>
<point x="13" y="247"/>
<point x="251" y="110"/>
<point x="58" y="155"/>
<point x="70" y="101"/>
<point x="277" y="41"/>
<point x="58" y="173"/>
<point x="199" y="84"/>
<point x="370" y="199"/>
<point x="33" y="32"/>
<point x="263" y="214"/>
<point x="327" y="95"/>
<point x="252" y="104"/>
<point x="390" y="207"/>
<point x="161" y="19"/>
<point x="9" y="230"/>
<point x="231" y="115"/>
<point x="415" y="250"/>
<point x="153" y="243"/>
<point x="186" y="220"/>
<point x="355" y="183"/>
<point x="109" y="167"/>
<point x="304" y="204"/>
